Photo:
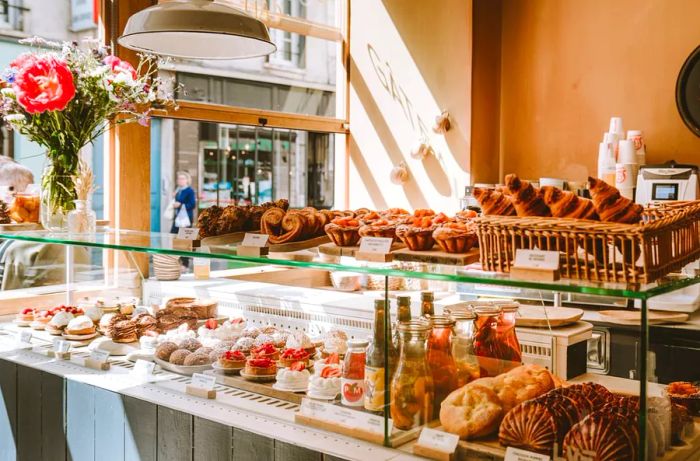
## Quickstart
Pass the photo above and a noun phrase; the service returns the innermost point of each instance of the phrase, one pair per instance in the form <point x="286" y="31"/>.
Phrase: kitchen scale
<point x="667" y="182"/>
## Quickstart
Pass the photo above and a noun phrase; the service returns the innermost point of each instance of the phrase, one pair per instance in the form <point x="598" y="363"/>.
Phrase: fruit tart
<point x="685" y="394"/>
<point x="465" y="215"/>
<point x="25" y="316"/>
<point x="379" y="228"/>
<point x="369" y="217"/>
<point x="291" y="355"/>
<point x="232" y="360"/>
<point x="343" y="231"/>
<point x="417" y="234"/>
<point x="396" y="214"/>
<point x="455" y="237"/>
<point x="267" y="350"/>
<point x="260" y="367"/>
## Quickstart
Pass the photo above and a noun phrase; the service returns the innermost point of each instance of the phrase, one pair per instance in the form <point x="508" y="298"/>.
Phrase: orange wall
<point x="568" y="65"/>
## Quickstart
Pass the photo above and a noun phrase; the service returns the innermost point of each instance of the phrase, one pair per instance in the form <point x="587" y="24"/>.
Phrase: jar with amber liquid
<point x="463" y="346"/>
<point x="442" y="364"/>
<point x="412" y="392"/>
<point x="495" y="345"/>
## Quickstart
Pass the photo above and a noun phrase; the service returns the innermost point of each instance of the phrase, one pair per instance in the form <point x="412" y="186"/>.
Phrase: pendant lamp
<point x="197" y="29"/>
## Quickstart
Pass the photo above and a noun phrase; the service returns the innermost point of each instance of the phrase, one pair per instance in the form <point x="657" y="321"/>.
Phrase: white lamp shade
<point x="197" y="29"/>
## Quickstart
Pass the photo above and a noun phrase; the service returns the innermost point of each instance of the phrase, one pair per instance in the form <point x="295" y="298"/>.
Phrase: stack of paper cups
<point x="626" y="169"/>
<point x="639" y="147"/>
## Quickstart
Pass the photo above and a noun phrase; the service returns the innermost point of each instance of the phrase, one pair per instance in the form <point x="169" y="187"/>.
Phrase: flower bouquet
<point x="64" y="96"/>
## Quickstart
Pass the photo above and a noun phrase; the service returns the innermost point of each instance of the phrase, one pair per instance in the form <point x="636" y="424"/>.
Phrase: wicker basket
<point x="667" y="239"/>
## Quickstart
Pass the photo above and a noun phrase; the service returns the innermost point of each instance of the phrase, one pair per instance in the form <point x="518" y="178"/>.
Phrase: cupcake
<point x="260" y="367"/>
<point x="81" y="325"/>
<point x="292" y="355"/>
<point x="25" y="316"/>
<point x="417" y="234"/>
<point x="395" y="214"/>
<point x="59" y="322"/>
<point x="455" y="237"/>
<point x="295" y="377"/>
<point x="232" y="360"/>
<point x="267" y="350"/>
<point x="465" y="215"/>
<point x="343" y="232"/>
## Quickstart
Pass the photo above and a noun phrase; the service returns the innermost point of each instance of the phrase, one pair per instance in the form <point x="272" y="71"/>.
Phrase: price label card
<point x="61" y="346"/>
<point x="438" y="440"/>
<point x="255" y="240"/>
<point x="516" y="454"/>
<point x="314" y="409"/>
<point x="143" y="368"/>
<point x="380" y="245"/>
<point x="188" y="233"/>
<point x="25" y="336"/>
<point x="372" y="423"/>
<point x="344" y="416"/>
<point x="536" y="259"/>
<point x="99" y="356"/>
<point x="203" y="381"/>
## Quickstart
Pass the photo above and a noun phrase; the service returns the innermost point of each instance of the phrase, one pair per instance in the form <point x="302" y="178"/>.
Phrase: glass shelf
<point x="161" y="243"/>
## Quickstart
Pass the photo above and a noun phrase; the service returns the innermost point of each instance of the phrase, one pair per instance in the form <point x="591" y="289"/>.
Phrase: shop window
<point x="12" y="14"/>
<point x="290" y="46"/>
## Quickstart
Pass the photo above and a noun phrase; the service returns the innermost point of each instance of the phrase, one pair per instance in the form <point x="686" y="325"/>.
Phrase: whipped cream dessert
<point x="293" y="379"/>
<point x="95" y="313"/>
<point x="61" y="319"/>
<point x="177" y="335"/>
<point x="299" y="340"/>
<point x="324" y="387"/>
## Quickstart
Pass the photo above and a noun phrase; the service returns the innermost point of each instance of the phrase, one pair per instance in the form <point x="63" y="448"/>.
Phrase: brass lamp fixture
<point x="197" y="29"/>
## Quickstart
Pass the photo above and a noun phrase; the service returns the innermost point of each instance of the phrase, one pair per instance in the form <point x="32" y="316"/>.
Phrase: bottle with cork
<point x="427" y="306"/>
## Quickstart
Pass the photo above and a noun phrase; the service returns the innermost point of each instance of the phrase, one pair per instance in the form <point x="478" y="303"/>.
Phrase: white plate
<point x="226" y="371"/>
<point x="37" y="326"/>
<point x="320" y="397"/>
<point x="22" y="323"/>
<point x="115" y="349"/>
<point x="288" y="389"/>
<point x="259" y="378"/>
<point x="182" y="369"/>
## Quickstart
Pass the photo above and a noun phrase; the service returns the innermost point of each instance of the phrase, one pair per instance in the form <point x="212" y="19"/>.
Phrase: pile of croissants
<point x="217" y="220"/>
<point x="285" y="226"/>
<point x="520" y="198"/>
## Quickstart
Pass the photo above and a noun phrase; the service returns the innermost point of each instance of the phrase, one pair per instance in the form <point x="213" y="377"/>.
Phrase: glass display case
<point x="379" y="351"/>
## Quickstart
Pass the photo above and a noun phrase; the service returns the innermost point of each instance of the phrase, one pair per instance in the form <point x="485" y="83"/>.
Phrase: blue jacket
<point x="187" y="197"/>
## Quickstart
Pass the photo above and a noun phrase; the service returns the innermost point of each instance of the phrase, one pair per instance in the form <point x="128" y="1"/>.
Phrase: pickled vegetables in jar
<point x="463" y="345"/>
<point x="495" y="344"/>
<point x="442" y="364"/>
<point x="412" y="392"/>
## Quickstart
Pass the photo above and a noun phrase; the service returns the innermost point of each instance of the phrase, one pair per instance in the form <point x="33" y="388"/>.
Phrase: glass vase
<point x="82" y="220"/>
<point x="58" y="190"/>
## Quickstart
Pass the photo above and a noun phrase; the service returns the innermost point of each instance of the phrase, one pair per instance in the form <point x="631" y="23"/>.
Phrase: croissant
<point x="611" y="206"/>
<point x="271" y="221"/>
<point x="291" y="229"/>
<point x="565" y="204"/>
<point x="493" y="203"/>
<point x="526" y="199"/>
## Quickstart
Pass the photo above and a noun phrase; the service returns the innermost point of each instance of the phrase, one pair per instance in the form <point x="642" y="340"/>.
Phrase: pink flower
<point x="43" y="83"/>
<point x="117" y="66"/>
<point x="23" y="60"/>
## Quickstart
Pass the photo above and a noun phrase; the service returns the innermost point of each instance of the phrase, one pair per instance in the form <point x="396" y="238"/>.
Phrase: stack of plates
<point x="166" y="267"/>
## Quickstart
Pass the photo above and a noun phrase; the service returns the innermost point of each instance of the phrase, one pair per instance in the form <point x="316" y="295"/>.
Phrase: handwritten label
<point x="381" y="245"/>
<point x="61" y="346"/>
<point x="188" y="233"/>
<point x="344" y="416"/>
<point x="99" y="356"/>
<point x="536" y="259"/>
<point x="372" y="423"/>
<point x="314" y="409"/>
<point x="203" y="381"/>
<point x="516" y="454"/>
<point x="438" y="440"/>
<point x="143" y="368"/>
<point x="255" y="240"/>
<point x="25" y="336"/>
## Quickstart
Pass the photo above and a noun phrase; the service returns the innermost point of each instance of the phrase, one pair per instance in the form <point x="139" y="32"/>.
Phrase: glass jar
<point x="494" y="351"/>
<point x="25" y="206"/>
<point x="442" y="364"/>
<point x="506" y="330"/>
<point x="412" y="391"/>
<point x="352" y="381"/>
<point x="463" y="346"/>
<point x="82" y="220"/>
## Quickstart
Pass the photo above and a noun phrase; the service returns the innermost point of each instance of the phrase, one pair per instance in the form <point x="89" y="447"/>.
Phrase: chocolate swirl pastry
<point x="531" y="425"/>
<point x="610" y="437"/>
<point x="233" y="219"/>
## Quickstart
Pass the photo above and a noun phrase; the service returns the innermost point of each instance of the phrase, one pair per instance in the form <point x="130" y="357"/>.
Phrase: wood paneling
<point x="28" y="414"/>
<point x="80" y="421"/>
<point x="109" y="426"/>
<point x="8" y="411"/>
<point x="247" y="445"/>
<point x="288" y="452"/>
<point x="174" y="435"/>
<point x="211" y="440"/>
<point x="53" y="436"/>
<point x="140" y="429"/>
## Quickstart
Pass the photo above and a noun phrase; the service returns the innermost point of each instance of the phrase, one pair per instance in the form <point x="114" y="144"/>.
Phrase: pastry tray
<point x="182" y="369"/>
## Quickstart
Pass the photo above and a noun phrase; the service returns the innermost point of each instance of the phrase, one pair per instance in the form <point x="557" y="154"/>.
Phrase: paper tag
<point x="516" y="454"/>
<point x="143" y="368"/>
<point x="25" y="336"/>
<point x="380" y="245"/>
<point x="255" y="240"/>
<point x="372" y="423"/>
<point x="188" y="233"/>
<point x="344" y="416"/>
<point x="314" y="409"/>
<point x="60" y="345"/>
<point x="203" y="381"/>
<point x="99" y="356"/>
<point x="438" y="440"/>
<point x="536" y="259"/>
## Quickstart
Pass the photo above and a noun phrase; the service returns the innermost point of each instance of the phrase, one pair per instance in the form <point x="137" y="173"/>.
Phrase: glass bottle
<point x="463" y="346"/>
<point x="412" y="391"/>
<point x="82" y="220"/>
<point x="352" y="381"/>
<point x="376" y="362"/>
<point x="442" y="364"/>
<point x="403" y="315"/>
<point x="495" y="354"/>
<point x="427" y="307"/>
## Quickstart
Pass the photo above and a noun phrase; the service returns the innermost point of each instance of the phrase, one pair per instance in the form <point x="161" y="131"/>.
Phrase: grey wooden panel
<point x="80" y="421"/>
<point x="140" y="429"/>
<point x="211" y="440"/>
<point x="288" y="452"/>
<point x="247" y="446"/>
<point x="174" y="435"/>
<point x="53" y="436"/>
<point x="109" y="426"/>
<point x="8" y="411"/>
<point x="28" y="414"/>
<point x="332" y="458"/>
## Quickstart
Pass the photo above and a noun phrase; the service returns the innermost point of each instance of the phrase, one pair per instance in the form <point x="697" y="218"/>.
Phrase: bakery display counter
<point x="380" y="354"/>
